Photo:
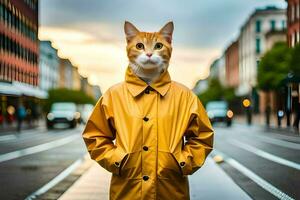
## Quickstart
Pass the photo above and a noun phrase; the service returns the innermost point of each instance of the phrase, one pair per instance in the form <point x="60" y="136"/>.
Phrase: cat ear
<point x="167" y="31"/>
<point x="130" y="30"/>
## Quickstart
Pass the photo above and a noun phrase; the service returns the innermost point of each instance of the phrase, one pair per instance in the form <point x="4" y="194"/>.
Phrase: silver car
<point x="218" y="111"/>
<point x="63" y="112"/>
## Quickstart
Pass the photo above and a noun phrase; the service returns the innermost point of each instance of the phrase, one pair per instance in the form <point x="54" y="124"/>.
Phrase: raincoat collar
<point x="136" y="85"/>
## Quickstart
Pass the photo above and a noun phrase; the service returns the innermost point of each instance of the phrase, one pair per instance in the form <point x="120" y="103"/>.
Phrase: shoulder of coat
<point x="116" y="86"/>
<point x="112" y="89"/>
<point x="183" y="88"/>
<point x="180" y="86"/>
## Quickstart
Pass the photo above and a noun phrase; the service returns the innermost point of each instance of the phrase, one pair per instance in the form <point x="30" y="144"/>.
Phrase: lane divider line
<point x="254" y="177"/>
<point x="38" y="148"/>
<point x="265" y="154"/>
<point x="8" y="137"/>
<point x="282" y="143"/>
<point x="55" y="180"/>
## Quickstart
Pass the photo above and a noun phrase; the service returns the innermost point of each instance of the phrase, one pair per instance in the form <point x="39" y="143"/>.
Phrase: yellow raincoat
<point x="162" y="135"/>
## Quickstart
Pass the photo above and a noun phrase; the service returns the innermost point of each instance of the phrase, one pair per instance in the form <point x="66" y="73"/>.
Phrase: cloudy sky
<point x="90" y="32"/>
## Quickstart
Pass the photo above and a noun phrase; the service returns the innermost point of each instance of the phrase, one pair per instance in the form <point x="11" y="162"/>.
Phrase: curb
<point x="62" y="186"/>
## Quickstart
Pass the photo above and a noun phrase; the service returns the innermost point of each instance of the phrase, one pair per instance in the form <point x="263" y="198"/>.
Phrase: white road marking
<point x="254" y="177"/>
<point x="265" y="154"/>
<point x="55" y="180"/>
<point x="38" y="148"/>
<point x="7" y="137"/>
<point x="282" y="143"/>
<point x="279" y="142"/>
<point x="22" y="135"/>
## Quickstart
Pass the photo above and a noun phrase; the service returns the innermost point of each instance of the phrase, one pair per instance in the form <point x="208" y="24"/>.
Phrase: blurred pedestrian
<point x="21" y="114"/>
<point x="297" y="116"/>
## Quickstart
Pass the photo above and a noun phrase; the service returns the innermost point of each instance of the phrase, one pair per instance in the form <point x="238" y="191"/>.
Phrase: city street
<point x="30" y="160"/>
<point x="72" y="70"/>
<point x="263" y="163"/>
<point x="257" y="164"/>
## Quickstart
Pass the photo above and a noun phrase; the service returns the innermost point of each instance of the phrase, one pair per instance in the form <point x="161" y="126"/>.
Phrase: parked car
<point x="85" y="112"/>
<point x="63" y="112"/>
<point x="218" y="111"/>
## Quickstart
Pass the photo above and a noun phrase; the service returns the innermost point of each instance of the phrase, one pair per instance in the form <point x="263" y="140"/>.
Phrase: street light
<point x="247" y="104"/>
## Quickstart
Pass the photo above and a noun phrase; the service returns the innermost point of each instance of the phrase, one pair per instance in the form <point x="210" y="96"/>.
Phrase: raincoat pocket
<point x="167" y="166"/>
<point x="131" y="167"/>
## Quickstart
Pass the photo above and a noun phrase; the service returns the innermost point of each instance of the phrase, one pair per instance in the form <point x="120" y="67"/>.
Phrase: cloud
<point x="90" y="33"/>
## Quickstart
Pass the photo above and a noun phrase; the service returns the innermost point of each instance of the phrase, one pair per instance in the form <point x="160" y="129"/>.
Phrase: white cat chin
<point x="149" y="63"/>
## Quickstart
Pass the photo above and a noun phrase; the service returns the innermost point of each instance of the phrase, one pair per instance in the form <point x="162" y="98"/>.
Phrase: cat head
<point x="149" y="50"/>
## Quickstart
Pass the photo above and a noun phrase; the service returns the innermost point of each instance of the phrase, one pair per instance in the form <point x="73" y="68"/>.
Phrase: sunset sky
<point x="90" y="33"/>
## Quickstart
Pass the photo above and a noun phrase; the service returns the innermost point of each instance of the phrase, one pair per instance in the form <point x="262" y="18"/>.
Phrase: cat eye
<point x="139" y="46"/>
<point x="158" y="46"/>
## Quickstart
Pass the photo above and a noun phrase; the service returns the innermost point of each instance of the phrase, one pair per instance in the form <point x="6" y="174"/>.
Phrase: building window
<point x="292" y="12"/>
<point x="258" y="47"/>
<point x="298" y="11"/>
<point x="258" y="26"/>
<point x="283" y="24"/>
<point x="293" y="39"/>
<point x="273" y="25"/>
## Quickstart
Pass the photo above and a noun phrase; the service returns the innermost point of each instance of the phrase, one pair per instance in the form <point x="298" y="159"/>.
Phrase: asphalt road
<point x="30" y="160"/>
<point x="263" y="163"/>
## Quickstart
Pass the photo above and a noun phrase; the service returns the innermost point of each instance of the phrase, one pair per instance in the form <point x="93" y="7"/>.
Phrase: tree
<point x="67" y="95"/>
<point x="274" y="67"/>
<point x="216" y="91"/>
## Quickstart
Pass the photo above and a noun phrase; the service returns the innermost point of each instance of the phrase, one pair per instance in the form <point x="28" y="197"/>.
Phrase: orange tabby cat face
<point x="149" y="50"/>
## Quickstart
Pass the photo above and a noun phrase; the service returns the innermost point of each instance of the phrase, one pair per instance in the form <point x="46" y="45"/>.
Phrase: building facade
<point x="65" y="73"/>
<point x="19" y="42"/>
<point x="293" y="20"/>
<point x="19" y="55"/>
<point x="48" y="66"/>
<point x="252" y="44"/>
<point x="274" y="36"/>
<point x="97" y="92"/>
<point x="217" y="70"/>
<point x="232" y="64"/>
<point x="76" y="79"/>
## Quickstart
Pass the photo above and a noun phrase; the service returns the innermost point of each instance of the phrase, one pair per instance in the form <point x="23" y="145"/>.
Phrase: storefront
<point x="14" y="93"/>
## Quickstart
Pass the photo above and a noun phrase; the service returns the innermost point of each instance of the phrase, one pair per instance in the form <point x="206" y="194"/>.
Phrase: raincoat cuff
<point x="117" y="160"/>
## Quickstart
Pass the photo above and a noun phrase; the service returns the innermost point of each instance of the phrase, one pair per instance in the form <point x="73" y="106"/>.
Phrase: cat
<point x="149" y="53"/>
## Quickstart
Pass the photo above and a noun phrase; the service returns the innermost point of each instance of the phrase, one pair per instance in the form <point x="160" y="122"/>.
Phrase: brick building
<point x="293" y="19"/>
<point x="19" y="42"/>
<point x="19" y="55"/>
<point x="232" y="64"/>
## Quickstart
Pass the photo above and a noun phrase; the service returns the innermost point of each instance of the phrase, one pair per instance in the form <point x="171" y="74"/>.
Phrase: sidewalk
<point x="12" y="128"/>
<point x="209" y="183"/>
<point x="259" y="121"/>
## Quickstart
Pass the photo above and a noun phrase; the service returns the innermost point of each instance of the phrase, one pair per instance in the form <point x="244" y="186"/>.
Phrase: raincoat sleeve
<point x="98" y="136"/>
<point x="199" y="138"/>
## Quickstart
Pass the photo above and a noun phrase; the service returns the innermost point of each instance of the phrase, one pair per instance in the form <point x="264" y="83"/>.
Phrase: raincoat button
<point x="145" y="148"/>
<point x="147" y="91"/>
<point x="182" y="164"/>
<point x="145" y="178"/>
<point x="145" y="119"/>
<point x="117" y="164"/>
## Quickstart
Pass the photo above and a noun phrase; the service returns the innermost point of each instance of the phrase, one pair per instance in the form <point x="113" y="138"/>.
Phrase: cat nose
<point x="149" y="54"/>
